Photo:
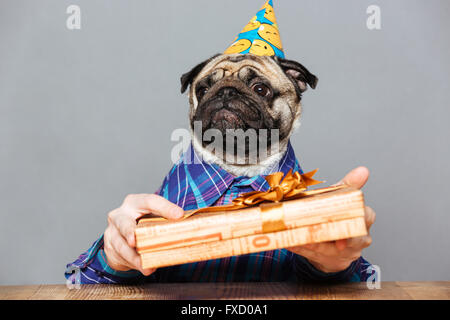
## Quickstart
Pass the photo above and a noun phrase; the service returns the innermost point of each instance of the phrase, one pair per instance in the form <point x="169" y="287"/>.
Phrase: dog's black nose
<point x="227" y="92"/>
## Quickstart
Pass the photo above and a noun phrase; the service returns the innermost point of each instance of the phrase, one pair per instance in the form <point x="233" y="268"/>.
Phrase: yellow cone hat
<point x="260" y="36"/>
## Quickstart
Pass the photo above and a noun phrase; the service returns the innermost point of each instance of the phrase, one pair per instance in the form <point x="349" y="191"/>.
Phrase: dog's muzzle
<point x="229" y="108"/>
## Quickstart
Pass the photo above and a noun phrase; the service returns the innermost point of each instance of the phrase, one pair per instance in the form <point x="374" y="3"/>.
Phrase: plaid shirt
<point x="193" y="183"/>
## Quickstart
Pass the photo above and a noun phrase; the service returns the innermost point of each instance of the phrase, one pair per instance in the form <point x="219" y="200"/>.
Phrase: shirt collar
<point x="209" y="181"/>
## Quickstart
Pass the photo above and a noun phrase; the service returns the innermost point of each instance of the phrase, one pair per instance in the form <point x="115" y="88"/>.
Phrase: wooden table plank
<point x="426" y="290"/>
<point x="237" y="291"/>
<point x="17" y="292"/>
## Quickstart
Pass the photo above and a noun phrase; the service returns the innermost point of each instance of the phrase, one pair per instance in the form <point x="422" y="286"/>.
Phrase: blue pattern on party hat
<point x="260" y="36"/>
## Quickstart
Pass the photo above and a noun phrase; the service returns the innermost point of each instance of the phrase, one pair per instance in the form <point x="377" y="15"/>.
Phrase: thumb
<point x="356" y="178"/>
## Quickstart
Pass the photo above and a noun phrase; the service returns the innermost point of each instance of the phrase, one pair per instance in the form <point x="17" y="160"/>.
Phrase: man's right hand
<point x="119" y="239"/>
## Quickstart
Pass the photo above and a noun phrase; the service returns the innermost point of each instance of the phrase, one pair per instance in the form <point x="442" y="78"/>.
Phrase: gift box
<point x="284" y="216"/>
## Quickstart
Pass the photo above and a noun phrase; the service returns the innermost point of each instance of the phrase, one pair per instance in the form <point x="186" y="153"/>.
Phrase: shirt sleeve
<point x="91" y="268"/>
<point x="358" y="271"/>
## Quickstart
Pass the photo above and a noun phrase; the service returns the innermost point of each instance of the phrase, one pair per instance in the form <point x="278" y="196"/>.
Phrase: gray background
<point x="86" y="117"/>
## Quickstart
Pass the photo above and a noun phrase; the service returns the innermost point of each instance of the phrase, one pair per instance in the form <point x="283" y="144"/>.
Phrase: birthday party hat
<point x="260" y="36"/>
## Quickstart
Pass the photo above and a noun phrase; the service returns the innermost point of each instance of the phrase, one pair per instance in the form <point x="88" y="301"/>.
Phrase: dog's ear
<point x="298" y="74"/>
<point x="188" y="77"/>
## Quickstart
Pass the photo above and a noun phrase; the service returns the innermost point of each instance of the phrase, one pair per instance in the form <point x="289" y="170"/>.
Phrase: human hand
<point x="119" y="238"/>
<point x="337" y="255"/>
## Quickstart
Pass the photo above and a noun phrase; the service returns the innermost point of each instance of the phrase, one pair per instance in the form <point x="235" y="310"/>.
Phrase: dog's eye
<point x="201" y="92"/>
<point x="261" y="89"/>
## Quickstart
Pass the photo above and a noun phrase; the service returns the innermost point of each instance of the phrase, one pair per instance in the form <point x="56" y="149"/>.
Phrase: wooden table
<point x="248" y="291"/>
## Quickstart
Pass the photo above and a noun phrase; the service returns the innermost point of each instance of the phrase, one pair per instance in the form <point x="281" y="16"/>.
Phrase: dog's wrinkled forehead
<point x="243" y="67"/>
<point x="245" y="73"/>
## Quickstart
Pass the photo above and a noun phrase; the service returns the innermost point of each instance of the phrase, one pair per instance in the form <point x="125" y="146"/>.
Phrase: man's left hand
<point x="337" y="255"/>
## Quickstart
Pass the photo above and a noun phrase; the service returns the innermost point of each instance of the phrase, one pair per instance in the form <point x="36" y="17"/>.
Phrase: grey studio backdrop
<point x="86" y="117"/>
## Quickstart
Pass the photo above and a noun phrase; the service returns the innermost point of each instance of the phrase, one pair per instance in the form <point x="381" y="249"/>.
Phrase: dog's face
<point x="231" y="92"/>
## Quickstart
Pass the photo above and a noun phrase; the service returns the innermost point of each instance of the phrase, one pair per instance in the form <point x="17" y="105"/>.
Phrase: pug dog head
<point x="244" y="104"/>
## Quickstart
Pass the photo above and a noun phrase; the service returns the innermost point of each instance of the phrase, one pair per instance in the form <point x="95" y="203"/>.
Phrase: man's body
<point x="250" y="89"/>
<point x="113" y="258"/>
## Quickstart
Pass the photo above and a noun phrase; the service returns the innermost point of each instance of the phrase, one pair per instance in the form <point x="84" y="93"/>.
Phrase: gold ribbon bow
<point x="292" y="186"/>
